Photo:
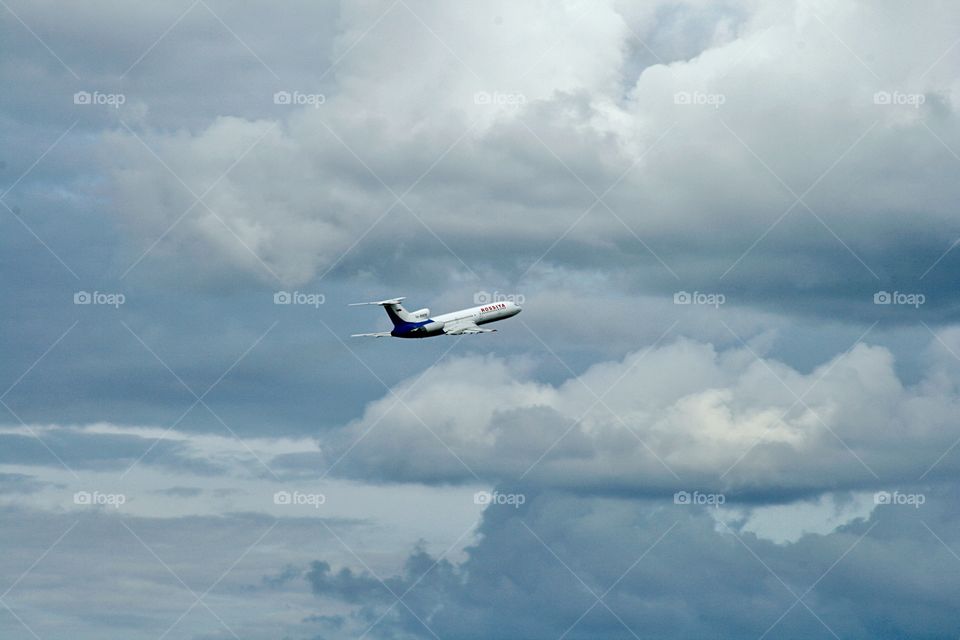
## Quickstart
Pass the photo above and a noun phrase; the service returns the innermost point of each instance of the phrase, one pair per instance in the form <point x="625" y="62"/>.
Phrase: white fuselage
<point x="479" y="315"/>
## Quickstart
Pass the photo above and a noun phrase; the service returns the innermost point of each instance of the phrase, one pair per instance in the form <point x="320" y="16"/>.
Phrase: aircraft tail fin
<point x="398" y="315"/>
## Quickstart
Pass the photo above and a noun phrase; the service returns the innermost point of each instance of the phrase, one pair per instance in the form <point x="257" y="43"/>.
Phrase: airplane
<point x="419" y="324"/>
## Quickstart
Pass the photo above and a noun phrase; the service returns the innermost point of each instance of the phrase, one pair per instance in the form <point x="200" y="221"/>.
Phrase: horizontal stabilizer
<point x="380" y="334"/>
<point x="381" y="302"/>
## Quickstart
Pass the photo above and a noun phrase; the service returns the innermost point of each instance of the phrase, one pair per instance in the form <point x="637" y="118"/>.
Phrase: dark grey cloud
<point x="283" y="577"/>
<point x="345" y="585"/>
<point x="667" y="571"/>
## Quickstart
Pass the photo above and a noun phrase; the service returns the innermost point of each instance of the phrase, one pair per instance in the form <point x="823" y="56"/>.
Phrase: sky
<point x="728" y="409"/>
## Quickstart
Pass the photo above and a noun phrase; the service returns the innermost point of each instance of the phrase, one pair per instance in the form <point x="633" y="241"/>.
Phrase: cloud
<point x="498" y="124"/>
<point x="19" y="483"/>
<point x="664" y="571"/>
<point x="95" y="571"/>
<point x="345" y="585"/>
<point x="87" y="451"/>
<point x="181" y="492"/>
<point x="677" y="416"/>
<point x="105" y="446"/>
<point x="693" y="186"/>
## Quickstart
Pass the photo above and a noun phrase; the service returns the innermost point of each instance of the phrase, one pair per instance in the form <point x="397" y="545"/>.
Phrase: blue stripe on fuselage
<point x="407" y="327"/>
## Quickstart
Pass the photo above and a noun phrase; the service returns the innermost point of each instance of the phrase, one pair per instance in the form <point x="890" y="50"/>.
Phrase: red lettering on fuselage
<point x="493" y="307"/>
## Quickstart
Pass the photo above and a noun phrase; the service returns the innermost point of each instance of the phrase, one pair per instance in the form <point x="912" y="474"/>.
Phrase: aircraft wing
<point x="463" y="327"/>
<point x="380" y="334"/>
